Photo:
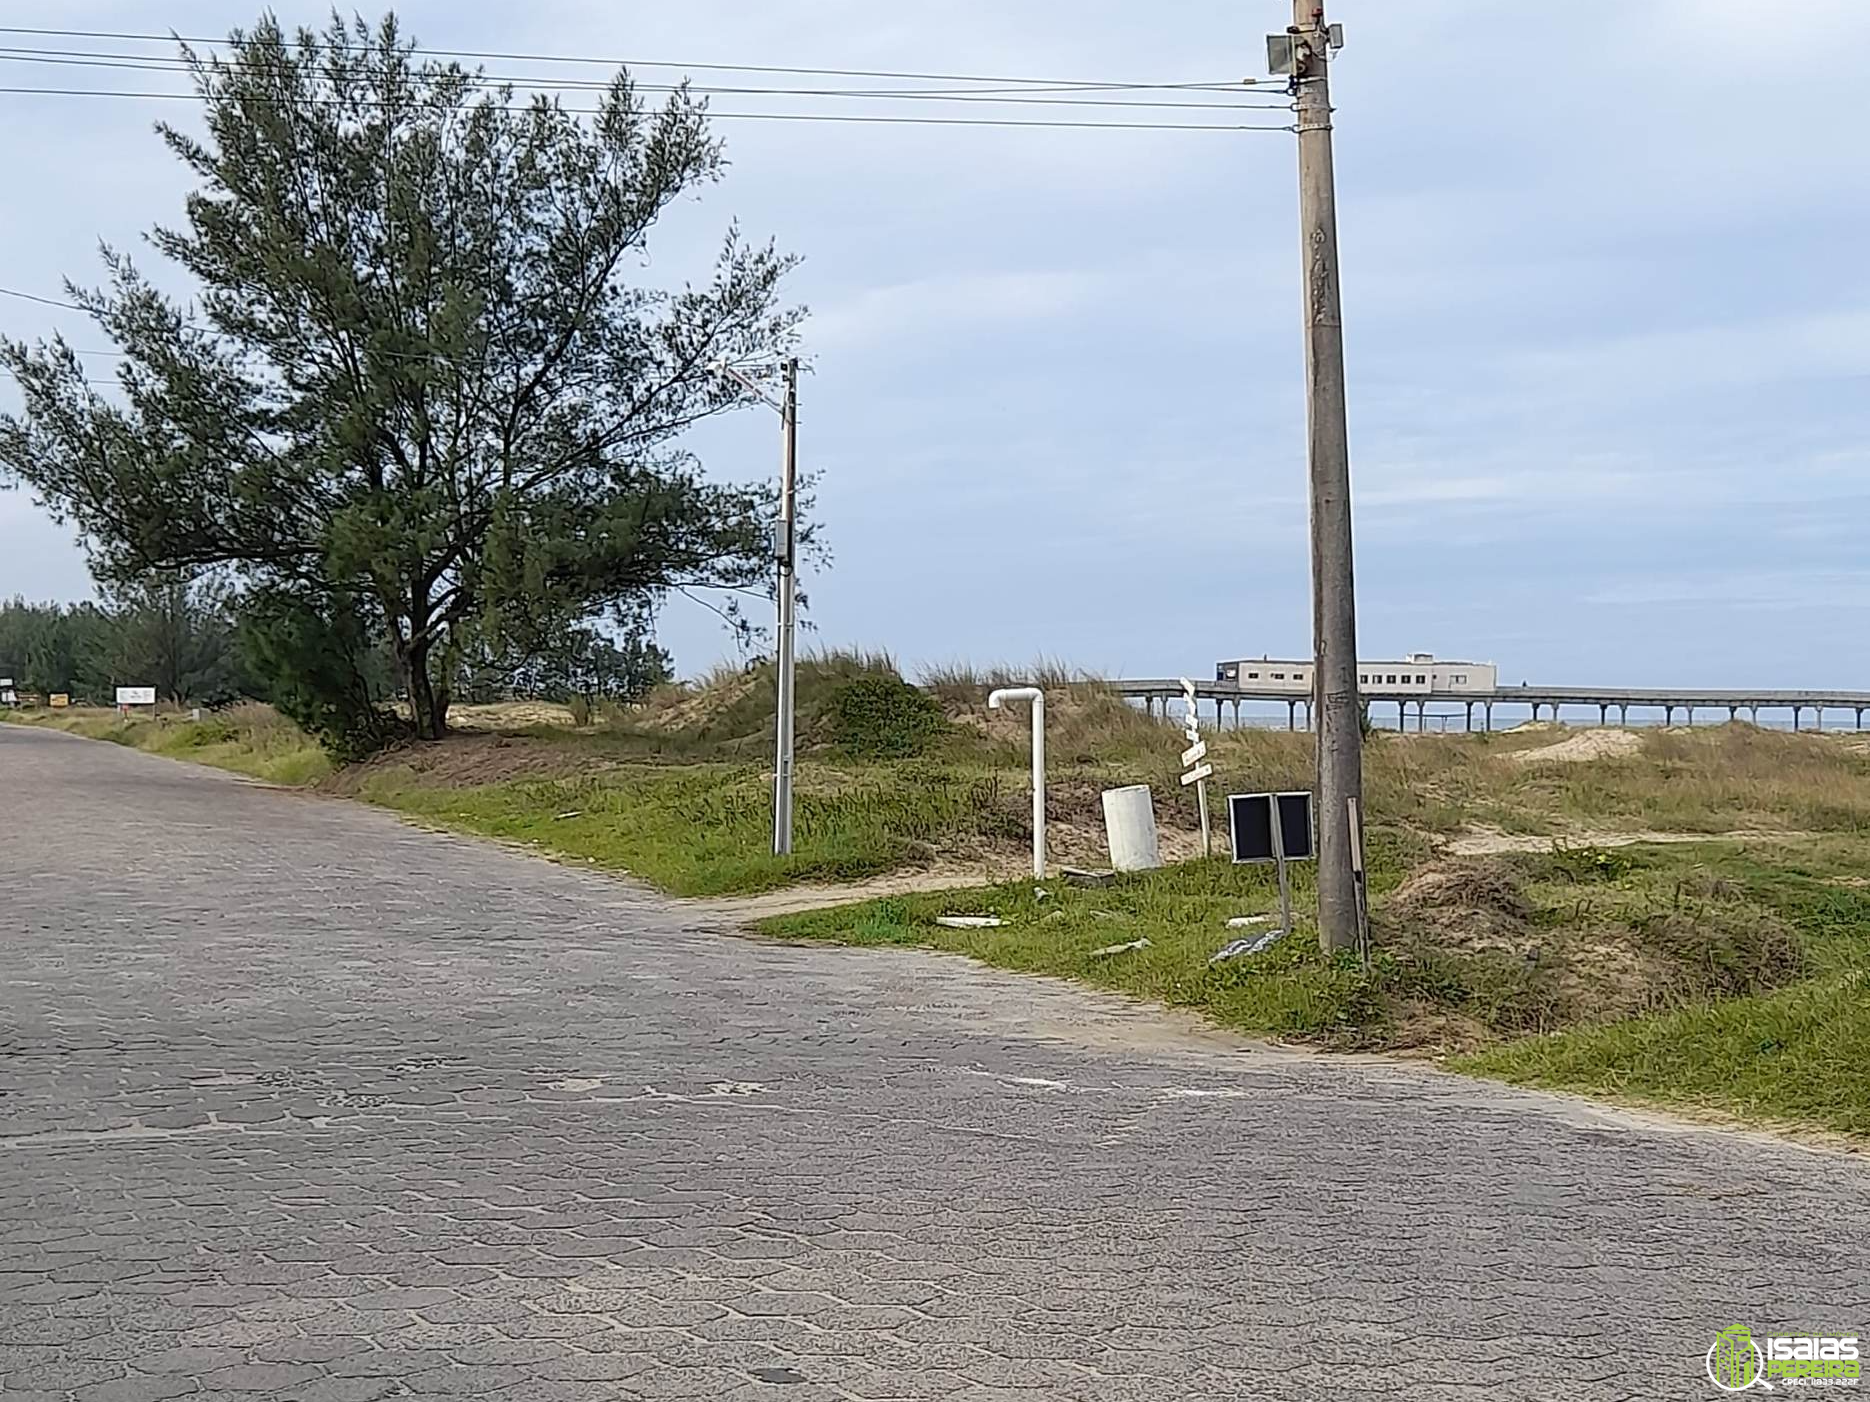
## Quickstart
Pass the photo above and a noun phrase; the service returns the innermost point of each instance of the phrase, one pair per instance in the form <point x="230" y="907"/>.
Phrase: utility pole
<point x="784" y="548"/>
<point x="786" y="590"/>
<point x="1334" y="607"/>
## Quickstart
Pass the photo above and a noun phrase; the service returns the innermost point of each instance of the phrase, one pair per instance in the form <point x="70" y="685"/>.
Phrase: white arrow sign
<point x="1194" y="753"/>
<point x="1195" y="776"/>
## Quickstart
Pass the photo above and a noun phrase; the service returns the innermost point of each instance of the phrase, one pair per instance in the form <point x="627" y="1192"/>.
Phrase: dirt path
<point x="794" y="899"/>
<point x="1487" y="842"/>
<point x="959" y="876"/>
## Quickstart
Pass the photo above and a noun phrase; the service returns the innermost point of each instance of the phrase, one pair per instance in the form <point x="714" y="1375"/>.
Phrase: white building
<point x="1419" y="674"/>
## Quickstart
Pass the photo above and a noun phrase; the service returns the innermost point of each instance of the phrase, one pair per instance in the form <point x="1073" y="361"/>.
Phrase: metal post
<point x="1363" y="893"/>
<point x="1336" y="706"/>
<point x="1279" y="864"/>
<point x="997" y="699"/>
<point x="788" y="607"/>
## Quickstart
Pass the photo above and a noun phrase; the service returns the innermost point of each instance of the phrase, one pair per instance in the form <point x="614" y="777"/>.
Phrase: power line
<point x="526" y="82"/>
<point x="348" y="45"/>
<point x="167" y="63"/>
<point x="96" y="384"/>
<point x="745" y="116"/>
<point x="42" y="301"/>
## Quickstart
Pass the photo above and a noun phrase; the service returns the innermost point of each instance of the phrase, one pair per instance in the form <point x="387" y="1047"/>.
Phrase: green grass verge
<point x="1183" y="912"/>
<point x="250" y="740"/>
<point x="706" y="829"/>
<point x="1792" y="1057"/>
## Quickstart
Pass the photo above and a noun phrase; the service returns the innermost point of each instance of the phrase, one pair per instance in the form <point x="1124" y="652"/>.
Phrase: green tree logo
<point x="1735" y="1363"/>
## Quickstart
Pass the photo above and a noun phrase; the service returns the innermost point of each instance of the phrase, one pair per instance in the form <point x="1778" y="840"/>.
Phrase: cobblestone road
<point x="298" y="1102"/>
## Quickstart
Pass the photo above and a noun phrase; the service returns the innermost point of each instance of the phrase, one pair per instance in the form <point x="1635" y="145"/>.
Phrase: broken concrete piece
<point x="1079" y="876"/>
<point x="1241" y="922"/>
<point x="968" y="922"/>
<point x="1241" y="948"/>
<point x="1110" y="949"/>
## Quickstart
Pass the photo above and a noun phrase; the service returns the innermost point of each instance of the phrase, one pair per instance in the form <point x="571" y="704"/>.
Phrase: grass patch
<point x="1182" y="910"/>
<point x="248" y="739"/>
<point x="705" y="830"/>
<point x="1792" y="1057"/>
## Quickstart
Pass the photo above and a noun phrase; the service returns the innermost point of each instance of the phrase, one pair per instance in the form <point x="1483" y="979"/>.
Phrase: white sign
<point x="1197" y="776"/>
<point x="136" y="696"/>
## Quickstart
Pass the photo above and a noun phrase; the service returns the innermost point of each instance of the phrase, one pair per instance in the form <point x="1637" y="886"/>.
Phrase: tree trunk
<point x="428" y="703"/>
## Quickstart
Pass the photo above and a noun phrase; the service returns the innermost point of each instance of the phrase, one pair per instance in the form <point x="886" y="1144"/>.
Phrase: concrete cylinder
<point x="1130" y="826"/>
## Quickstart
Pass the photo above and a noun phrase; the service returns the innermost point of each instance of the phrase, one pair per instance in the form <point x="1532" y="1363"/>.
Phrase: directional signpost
<point x="1194" y="761"/>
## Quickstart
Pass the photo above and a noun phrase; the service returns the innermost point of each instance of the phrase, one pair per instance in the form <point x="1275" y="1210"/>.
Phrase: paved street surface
<point x="300" y="1102"/>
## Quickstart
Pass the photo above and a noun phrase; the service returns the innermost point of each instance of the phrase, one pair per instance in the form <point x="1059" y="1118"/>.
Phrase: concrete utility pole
<point x="784" y="547"/>
<point x="1334" y="608"/>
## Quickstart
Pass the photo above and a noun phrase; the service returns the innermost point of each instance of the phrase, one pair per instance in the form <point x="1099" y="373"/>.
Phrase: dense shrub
<point x="884" y="717"/>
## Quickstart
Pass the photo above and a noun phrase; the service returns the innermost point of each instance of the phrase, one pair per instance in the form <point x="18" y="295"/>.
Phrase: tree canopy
<point x="425" y="399"/>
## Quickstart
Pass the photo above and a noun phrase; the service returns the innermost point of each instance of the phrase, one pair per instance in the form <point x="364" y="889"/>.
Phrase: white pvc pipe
<point x="1037" y="697"/>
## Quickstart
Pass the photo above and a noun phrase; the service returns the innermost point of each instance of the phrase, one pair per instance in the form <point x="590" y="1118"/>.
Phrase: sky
<point x="1607" y="314"/>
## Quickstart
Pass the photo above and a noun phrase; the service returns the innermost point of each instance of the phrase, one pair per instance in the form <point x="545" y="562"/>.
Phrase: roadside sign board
<point x="59" y="700"/>
<point x="136" y="696"/>
<point x="1276" y="828"/>
<point x="1250" y="816"/>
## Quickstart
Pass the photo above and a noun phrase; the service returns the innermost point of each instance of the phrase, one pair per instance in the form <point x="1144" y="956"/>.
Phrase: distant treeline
<point x="175" y="634"/>
<point x="193" y="639"/>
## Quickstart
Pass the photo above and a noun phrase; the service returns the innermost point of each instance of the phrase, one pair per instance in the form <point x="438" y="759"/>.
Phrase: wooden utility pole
<point x="1334" y="609"/>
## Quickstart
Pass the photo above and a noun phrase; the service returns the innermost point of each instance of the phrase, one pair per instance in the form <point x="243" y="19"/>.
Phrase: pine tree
<point x="424" y="399"/>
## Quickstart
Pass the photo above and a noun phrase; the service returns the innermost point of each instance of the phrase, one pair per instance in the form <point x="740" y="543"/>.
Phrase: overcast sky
<point x="1605" y="299"/>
